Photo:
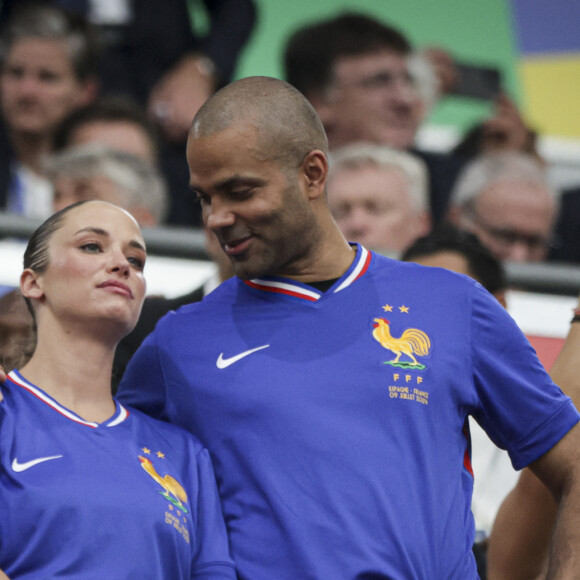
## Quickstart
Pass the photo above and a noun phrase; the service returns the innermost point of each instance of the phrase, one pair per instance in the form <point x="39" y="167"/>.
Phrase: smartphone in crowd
<point x="477" y="82"/>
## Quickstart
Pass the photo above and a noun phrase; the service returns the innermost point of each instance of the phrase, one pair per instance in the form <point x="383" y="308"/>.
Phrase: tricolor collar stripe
<point x="121" y="416"/>
<point x="360" y="268"/>
<point x="283" y="288"/>
<point x="357" y="269"/>
<point x="17" y="379"/>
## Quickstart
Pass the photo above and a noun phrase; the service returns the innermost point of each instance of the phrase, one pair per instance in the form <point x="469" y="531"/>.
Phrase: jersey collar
<point x="302" y="291"/>
<point x="118" y="417"/>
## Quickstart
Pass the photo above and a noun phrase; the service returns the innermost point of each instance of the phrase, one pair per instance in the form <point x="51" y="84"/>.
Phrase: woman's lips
<point x="117" y="287"/>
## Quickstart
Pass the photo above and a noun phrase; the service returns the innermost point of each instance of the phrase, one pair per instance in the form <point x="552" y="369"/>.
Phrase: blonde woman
<point x="88" y="487"/>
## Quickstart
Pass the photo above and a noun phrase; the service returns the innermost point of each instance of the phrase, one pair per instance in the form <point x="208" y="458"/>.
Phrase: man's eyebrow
<point x="230" y="182"/>
<point x="105" y="233"/>
<point x="238" y="180"/>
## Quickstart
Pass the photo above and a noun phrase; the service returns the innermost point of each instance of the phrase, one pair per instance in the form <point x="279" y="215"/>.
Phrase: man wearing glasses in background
<point x="505" y="200"/>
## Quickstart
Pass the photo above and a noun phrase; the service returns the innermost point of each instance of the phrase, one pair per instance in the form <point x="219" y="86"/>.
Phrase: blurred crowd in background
<point x="130" y="77"/>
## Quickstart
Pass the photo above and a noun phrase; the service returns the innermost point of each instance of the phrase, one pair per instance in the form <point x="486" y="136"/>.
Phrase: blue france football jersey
<point x="337" y="420"/>
<point x="132" y="497"/>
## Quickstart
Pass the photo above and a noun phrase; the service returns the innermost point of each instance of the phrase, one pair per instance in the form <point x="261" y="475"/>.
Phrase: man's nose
<point x="218" y="215"/>
<point x="404" y="91"/>
<point x="28" y="85"/>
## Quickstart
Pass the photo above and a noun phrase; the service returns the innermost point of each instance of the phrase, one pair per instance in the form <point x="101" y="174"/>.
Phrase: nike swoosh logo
<point x="223" y="363"/>
<point x="16" y="466"/>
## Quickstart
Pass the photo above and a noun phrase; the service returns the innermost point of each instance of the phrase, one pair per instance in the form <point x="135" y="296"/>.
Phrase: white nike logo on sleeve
<point x="222" y="362"/>
<point x="16" y="466"/>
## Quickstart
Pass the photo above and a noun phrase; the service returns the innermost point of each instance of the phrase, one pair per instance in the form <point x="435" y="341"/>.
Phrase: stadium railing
<point x="550" y="278"/>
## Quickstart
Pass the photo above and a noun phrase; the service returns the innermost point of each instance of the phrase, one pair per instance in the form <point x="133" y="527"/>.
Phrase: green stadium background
<point x="475" y="31"/>
<point x="534" y="43"/>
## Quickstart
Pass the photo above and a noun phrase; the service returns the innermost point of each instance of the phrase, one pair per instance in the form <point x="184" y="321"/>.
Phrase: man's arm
<point x="521" y="534"/>
<point x="520" y="537"/>
<point x="559" y="470"/>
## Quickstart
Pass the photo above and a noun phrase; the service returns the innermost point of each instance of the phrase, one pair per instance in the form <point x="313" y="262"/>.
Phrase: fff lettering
<point x="405" y="389"/>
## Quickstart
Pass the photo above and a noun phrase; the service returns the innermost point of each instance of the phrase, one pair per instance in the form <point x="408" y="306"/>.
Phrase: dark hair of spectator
<point x="312" y="51"/>
<point x="108" y="109"/>
<point x="482" y="265"/>
<point x="474" y="140"/>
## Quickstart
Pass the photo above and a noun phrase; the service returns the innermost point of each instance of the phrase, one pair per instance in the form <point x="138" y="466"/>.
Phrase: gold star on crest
<point x="145" y="450"/>
<point x="387" y="308"/>
<point x="160" y="454"/>
<point x="404" y="309"/>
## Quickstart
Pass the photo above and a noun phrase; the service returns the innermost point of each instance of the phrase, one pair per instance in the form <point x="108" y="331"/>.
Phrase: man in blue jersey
<point x="332" y="385"/>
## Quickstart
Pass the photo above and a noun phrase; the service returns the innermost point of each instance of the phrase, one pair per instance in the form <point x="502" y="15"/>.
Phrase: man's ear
<point x="30" y="284"/>
<point x="315" y="172"/>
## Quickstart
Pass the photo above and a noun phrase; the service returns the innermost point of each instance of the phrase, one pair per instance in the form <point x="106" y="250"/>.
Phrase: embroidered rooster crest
<point x="412" y="342"/>
<point x="172" y="489"/>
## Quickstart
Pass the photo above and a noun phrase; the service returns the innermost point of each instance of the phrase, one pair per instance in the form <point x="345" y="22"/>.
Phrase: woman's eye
<point x="138" y="263"/>
<point x="92" y="247"/>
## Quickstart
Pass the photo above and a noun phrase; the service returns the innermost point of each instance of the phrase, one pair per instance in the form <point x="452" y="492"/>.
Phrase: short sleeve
<point x="521" y="409"/>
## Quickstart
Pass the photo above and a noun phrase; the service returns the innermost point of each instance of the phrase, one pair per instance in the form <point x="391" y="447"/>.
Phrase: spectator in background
<point x="48" y="68"/>
<point x="123" y="124"/>
<point x="505" y="199"/>
<point x="157" y="53"/>
<point x="118" y="122"/>
<point x="378" y="196"/>
<point x="95" y="171"/>
<point x="152" y="52"/>
<point x="355" y="70"/>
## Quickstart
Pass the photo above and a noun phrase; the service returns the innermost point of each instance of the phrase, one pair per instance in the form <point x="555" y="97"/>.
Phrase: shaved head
<point x="287" y="124"/>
